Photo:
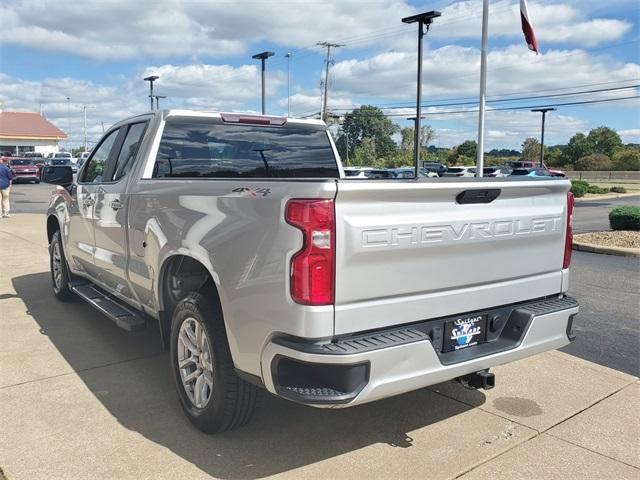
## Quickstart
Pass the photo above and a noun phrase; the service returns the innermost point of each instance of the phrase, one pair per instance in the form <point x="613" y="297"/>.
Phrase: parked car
<point x="496" y="171"/>
<point x="81" y="159"/>
<point x="460" y="172"/>
<point x="523" y="164"/>
<point x="356" y="172"/>
<point x="435" y="167"/>
<point x="531" y="172"/>
<point x="24" y="170"/>
<point x="262" y="267"/>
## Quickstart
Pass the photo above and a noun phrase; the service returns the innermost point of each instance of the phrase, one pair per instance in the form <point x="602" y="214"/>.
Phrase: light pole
<point x="415" y="125"/>
<point x="288" y="56"/>
<point x="544" y="113"/>
<point x="68" y="121"/>
<point x="263" y="56"/>
<point x="423" y="20"/>
<point x="151" y="79"/>
<point x="158" y="97"/>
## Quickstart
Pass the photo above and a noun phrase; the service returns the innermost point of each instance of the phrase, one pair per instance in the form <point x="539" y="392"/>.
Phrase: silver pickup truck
<point x="264" y="266"/>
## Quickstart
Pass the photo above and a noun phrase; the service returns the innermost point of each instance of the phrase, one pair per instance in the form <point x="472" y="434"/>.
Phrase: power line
<point x="525" y="107"/>
<point x="515" y="99"/>
<point x="386" y="106"/>
<point x="499" y="109"/>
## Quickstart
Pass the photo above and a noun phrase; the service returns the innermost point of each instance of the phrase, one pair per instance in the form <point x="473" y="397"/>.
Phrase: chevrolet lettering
<point x="428" y="234"/>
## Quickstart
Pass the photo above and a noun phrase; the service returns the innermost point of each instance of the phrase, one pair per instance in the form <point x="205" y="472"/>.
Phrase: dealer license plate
<point x="464" y="332"/>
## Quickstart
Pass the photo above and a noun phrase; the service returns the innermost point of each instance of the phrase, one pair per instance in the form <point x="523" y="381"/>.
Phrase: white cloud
<point x="630" y="135"/>
<point x="214" y="86"/>
<point x="454" y="71"/>
<point x="121" y="29"/>
<point x="557" y="22"/>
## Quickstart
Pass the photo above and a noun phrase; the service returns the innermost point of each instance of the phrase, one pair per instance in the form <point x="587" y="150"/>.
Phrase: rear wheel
<point x="59" y="269"/>
<point x="212" y="395"/>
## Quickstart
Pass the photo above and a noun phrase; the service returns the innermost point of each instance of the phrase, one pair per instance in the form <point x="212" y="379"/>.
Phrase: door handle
<point x="89" y="202"/>
<point x="116" y="204"/>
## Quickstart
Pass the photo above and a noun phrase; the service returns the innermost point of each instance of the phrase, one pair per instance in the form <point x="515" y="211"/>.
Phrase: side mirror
<point x="57" y="175"/>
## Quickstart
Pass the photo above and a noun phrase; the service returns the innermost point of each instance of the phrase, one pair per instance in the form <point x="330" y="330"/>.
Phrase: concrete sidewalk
<point x="82" y="399"/>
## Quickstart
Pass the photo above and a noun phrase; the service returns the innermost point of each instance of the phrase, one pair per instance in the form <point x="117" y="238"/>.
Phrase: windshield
<point x="21" y="162"/>
<point x="62" y="155"/>
<point x="60" y="161"/>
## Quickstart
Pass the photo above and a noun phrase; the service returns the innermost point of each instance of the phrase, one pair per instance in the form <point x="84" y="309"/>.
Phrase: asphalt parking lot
<point x="80" y="398"/>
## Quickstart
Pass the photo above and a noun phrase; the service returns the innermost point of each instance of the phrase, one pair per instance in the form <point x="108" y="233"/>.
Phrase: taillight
<point x="568" y="241"/>
<point x="312" y="268"/>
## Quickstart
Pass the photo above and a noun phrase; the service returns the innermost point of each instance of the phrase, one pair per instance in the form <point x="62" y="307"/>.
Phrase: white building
<point x="22" y="132"/>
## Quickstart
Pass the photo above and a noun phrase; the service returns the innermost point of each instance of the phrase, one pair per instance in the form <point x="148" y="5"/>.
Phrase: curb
<point x="607" y="196"/>
<point x="593" y="248"/>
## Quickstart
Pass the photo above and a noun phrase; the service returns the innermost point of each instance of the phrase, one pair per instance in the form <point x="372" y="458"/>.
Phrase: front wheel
<point x="212" y="395"/>
<point x="59" y="269"/>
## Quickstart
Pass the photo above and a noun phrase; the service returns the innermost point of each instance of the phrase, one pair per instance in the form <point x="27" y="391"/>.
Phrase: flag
<point x="527" y="28"/>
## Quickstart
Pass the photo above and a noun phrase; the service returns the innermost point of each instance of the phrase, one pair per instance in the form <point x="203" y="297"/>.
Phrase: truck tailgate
<point x="409" y="251"/>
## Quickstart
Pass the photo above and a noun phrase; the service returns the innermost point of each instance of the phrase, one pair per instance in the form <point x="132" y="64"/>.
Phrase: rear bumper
<point x="363" y="368"/>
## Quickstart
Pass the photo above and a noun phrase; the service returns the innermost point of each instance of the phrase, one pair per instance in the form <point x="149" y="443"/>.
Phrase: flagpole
<point x="483" y="88"/>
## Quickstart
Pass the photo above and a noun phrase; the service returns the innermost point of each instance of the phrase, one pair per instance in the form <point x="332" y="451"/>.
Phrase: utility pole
<point x="262" y="57"/>
<point x="423" y="20"/>
<point x="328" y="46"/>
<point x="288" y="56"/>
<point x="544" y="113"/>
<point x="158" y="97"/>
<point x="84" y="111"/>
<point x="151" y="79"/>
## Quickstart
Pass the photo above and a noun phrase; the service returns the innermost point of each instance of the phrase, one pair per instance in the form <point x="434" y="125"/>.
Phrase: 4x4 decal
<point x="252" y="192"/>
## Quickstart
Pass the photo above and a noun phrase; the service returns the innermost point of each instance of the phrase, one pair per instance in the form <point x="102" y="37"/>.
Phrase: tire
<point x="37" y="182"/>
<point x="59" y="277"/>
<point x="231" y="400"/>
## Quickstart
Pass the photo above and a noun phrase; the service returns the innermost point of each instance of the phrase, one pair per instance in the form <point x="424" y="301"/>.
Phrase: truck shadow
<point x="132" y="378"/>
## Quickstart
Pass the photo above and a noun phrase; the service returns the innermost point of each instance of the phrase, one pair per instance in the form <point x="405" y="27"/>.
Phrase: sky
<point x="96" y="53"/>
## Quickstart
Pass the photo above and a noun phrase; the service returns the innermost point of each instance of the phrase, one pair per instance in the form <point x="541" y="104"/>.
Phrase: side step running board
<point x="111" y="307"/>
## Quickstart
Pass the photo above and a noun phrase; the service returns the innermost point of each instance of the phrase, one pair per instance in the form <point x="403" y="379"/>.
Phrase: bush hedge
<point x="625" y="217"/>
<point x="597" y="189"/>
<point x="618" y="189"/>
<point x="579" y="188"/>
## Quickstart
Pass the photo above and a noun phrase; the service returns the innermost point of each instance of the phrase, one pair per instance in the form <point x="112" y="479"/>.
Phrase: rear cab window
<point x="208" y="148"/>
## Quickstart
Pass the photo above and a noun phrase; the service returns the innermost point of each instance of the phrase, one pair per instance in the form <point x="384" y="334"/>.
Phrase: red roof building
<point x="28" y="132"/>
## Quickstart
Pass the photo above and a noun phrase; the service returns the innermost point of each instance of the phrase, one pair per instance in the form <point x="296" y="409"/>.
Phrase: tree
<point x="426" y="136"/>
<point x="595" y="161"/>
<point x="627" y="159"/>
<point x="365" y="153"/>
<point x="367" y="122"/>
<point x="531" y="150"/>
<point x="579" y="146"/>
<point x="468" y="148"/>
<point x="604" y="140"/>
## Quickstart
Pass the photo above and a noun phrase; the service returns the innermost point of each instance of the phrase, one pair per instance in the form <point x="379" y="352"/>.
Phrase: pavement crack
<point x="22" y="238"/>
<point x="82" y="370"/>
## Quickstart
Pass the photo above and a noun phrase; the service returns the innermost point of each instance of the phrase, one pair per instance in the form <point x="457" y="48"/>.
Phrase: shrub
<point x="627" y="159"/>
<point x="597" y="189"/>
<point x="579" y="188"/>
<point x="595" y="161"/>
<point x="625" y="217"/>
<point x="618" y="190"/>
